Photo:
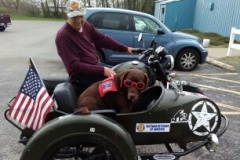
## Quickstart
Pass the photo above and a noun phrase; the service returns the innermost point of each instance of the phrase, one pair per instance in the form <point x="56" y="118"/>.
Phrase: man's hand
<point x="108" y="72"/>
<point x="130" y="50"/>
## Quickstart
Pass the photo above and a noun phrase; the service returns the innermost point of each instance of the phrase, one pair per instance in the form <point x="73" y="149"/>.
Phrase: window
<point x="139" y="25"/>
<point x="144" y="24"/>
<point x="96" y="20"/>
<point x="116" y="21"/>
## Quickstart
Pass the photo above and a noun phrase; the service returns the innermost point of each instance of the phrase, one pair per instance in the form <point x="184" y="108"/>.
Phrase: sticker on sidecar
<point x="152" y="127"/>
<point x="202" y="120"/>
<point x="180" y="117"/>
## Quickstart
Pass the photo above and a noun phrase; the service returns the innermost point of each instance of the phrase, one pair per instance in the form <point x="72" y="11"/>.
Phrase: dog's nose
<point x="132" y="96"/>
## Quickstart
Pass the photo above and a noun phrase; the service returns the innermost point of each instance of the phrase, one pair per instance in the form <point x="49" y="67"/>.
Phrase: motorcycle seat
<point x="65" y="96"/>
<point x="51" y="82"/>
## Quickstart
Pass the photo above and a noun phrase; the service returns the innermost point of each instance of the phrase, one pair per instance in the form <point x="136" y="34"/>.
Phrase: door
<point x="162" y="12"/>
<point x="149" y="27"/>
<point x="117" y="26"/>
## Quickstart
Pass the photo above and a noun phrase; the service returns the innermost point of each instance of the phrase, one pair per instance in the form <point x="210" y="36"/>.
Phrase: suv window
<point x="144" y="24"/>
<point x="116" y="21"/>
<point x="96" y="19"/>
<point x="109" y="20"/>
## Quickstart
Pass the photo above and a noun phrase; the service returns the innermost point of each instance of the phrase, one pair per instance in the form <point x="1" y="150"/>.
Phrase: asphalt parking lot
<point x="25" y="39"/>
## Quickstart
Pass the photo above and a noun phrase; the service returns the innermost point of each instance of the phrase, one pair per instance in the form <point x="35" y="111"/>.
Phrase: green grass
<point x="215" y="39"/>
<point x="232" y="60"/>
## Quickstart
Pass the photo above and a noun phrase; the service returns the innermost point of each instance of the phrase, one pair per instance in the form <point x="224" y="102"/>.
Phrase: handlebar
<point x="139" y="50"/>
<point x="142" y="51"/>
<point x="141" y="56"/>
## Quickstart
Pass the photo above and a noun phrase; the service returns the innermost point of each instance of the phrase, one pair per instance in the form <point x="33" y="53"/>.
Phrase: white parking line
<point x="230" y="113"/>
<point x="219" y="79"/>
<point x="219" y="89"/>
<point x="209" y="74"/>
<point x="228" y="106"/>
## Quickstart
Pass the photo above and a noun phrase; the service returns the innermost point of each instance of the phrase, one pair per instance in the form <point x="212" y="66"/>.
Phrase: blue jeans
<point x="86" y="81"/>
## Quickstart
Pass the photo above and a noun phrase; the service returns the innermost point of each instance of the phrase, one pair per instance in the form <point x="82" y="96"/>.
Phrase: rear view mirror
<point x="140" y="38"/>
<point x="160" y="31"/>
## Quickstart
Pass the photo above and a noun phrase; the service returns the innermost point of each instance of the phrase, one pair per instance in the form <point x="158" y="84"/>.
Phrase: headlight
<point x="171" y="61"/>
<point x="159" y="49"/>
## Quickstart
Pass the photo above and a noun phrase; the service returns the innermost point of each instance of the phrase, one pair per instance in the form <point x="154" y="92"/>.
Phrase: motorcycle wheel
<point x="79" y="148"/>
<point x="187" y="60"/>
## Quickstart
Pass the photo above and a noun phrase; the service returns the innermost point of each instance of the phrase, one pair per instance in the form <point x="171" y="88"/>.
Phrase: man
<point x="76" y="44"/>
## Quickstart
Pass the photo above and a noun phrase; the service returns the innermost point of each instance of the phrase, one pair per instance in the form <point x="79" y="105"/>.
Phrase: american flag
<point x="32" y="102"/>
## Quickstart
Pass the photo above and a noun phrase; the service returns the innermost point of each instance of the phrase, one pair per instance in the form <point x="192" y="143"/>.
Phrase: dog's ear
<point x="120" y="77"/>
<point x="146" y="79"/>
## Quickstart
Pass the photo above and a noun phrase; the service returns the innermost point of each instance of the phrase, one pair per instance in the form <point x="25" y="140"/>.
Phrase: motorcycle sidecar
<point x="162" y="116"/>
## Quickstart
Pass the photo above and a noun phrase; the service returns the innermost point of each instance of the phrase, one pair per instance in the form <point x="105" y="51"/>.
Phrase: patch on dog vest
<point x="107" y="85"/>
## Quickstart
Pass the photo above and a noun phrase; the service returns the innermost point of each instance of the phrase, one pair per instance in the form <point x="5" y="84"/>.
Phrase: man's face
<point x="77" y="22"/>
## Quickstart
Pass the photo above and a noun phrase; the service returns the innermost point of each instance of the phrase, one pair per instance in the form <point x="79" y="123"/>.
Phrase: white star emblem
<point x="203" y="118"/>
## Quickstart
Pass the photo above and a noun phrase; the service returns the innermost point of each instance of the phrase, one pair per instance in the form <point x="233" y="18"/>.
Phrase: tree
<point x="56" y="8"/>
<point x="11" y="5"/>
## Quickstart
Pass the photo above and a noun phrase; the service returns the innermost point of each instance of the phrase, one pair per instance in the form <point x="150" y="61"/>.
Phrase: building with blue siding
<point x="223" y="15"/>
<point x="176" y="14"/>
<point x="217" y="16"/>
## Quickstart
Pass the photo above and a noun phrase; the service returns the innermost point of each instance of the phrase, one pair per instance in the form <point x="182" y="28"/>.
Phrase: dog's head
<point x="132" y="82"/>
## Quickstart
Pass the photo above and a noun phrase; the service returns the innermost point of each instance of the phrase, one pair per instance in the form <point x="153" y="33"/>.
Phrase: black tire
<point x="2" y="28"/>
<point x="82" y="147"/>
<point x="187" y="60"/>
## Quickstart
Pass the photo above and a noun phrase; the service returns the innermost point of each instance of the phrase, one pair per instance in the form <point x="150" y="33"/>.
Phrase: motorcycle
<point x="154" y="61"/>
<point x="168" y="112"/>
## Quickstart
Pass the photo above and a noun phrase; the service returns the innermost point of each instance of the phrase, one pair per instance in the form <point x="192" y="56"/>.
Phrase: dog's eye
<point x="140" y="85"/>
<point x="128" y="82"/>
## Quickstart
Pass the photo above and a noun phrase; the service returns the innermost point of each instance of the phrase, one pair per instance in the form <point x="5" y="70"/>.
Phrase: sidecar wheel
<point x="88" y="147"/>
<point x="187" y="60"/>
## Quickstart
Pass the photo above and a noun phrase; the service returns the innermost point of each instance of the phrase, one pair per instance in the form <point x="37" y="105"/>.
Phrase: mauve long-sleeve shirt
<point x="78" y="49"/>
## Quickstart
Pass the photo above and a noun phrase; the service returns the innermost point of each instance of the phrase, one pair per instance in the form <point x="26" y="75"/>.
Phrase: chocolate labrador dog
<point x="119" y="92"/>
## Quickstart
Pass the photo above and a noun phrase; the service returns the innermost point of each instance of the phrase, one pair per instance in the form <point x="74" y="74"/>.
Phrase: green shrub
<point x="3" y="10"/>
<point x="215" y="39"/>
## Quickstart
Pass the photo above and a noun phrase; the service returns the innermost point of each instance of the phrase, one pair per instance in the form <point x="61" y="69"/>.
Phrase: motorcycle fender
<point x="80" y="125"/>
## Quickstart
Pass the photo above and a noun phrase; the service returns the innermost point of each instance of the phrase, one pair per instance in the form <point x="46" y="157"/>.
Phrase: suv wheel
<point x="187" y="60"/>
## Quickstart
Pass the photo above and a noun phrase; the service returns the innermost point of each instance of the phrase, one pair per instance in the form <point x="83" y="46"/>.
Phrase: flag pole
<point x="31" y="63"/>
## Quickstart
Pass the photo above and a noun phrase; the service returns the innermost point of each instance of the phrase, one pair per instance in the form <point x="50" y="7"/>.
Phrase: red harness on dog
<point x="106" y="85"/>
